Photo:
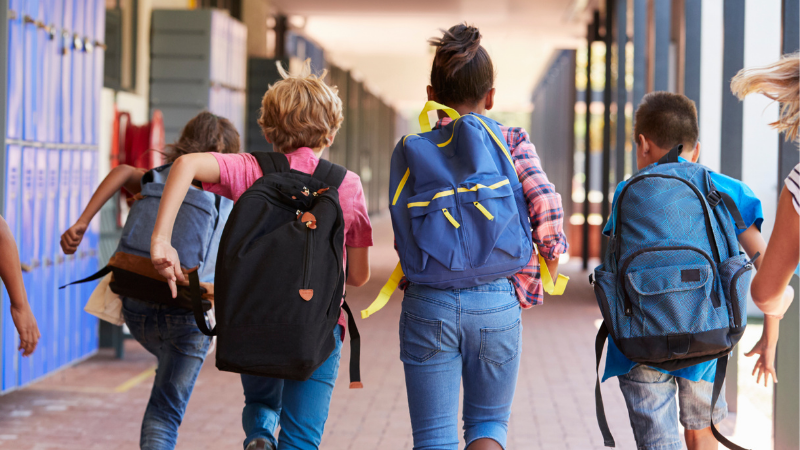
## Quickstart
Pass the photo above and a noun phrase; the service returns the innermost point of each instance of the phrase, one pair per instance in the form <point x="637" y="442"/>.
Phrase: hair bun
<point x="457" y="47"/>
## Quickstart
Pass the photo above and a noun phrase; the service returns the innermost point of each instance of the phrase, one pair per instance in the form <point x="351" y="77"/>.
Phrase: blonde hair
<point x="779" y="81"/>
<point x="300" y="111"/>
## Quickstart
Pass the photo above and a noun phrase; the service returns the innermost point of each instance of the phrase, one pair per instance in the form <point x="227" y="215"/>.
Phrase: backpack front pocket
<point x="436" y="225"/>
<point x="488" y="208"/>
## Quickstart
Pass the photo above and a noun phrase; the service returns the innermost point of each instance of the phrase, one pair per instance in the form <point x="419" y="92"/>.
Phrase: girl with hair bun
<point x="473" y="335"/>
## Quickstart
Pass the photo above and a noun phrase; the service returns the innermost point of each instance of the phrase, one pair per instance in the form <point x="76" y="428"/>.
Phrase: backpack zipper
<point x="737" y="317"/>
<point x="309" y="255"/>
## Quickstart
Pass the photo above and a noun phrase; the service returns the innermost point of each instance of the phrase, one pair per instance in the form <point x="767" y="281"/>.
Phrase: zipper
<point x="483" y="210"/>
<point x="309" y="255"/>
<point x="626" y="299"/>
<point x="709" y="230"/>
<point x="737" y="317"/>
<point x="463" y="232"/>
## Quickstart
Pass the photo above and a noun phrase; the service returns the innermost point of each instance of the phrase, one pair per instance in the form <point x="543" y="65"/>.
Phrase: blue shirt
<point x="750" y="207"/>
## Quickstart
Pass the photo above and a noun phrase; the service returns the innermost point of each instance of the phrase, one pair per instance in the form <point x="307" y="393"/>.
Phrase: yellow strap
<point x="496" y="139"/>
<point x="484" y="211"/>
<point x="425" y="123"/>
<point x="450" y="218"/>
<point x="400" y="186"/>
<point x="551" y="288"/>
<point x="480" y="186"/>
<point x="385" y="294"/>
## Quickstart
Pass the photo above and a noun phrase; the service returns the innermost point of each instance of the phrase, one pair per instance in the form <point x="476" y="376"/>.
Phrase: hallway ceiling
<point x="385" y="42"/>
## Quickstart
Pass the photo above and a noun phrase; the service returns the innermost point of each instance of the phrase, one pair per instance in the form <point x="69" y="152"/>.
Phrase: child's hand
<point x="27" y="328"/>
<point x="166" y="261"/>
<point x="765" y="365"/>
<point x="73" y="237"/>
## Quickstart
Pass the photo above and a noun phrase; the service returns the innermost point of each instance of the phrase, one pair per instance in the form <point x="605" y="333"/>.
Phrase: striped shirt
<point x="793" y="185"/>
<point x="544" y="207"/>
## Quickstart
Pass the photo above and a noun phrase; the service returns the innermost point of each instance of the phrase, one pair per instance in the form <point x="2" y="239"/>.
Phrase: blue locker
<point x="66" y="48"/>
<point x="78" y="66"/>
<point x="99" y="56"/>
<point x="52" y="251"/>
<point x="11" y="214"/>
<point x="88" y="72"/>
<point x="87" y="268"/>
<point x="16" y="50"/>
<point x="63" y="262"/>
<point x="26" y="243"/>
<point x="39" y="296"/>
<point x="42" y="67"/>
<point x="93" y="240"/>
<point x="77" y="267"/>
<point x="52" y="71"/>
<point x="31" y="72"/>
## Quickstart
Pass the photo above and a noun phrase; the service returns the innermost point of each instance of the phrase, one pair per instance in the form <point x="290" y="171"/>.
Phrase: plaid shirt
<point x="546" y="214"/>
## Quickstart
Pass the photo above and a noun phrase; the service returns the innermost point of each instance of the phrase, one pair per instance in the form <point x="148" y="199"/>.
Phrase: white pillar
<point x="711" y="84"/>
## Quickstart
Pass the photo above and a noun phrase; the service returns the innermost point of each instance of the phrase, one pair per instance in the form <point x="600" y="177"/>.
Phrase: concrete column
<point x="254" y="15"/>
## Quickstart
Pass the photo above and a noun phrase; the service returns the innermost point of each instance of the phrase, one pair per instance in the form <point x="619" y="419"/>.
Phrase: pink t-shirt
<point x="238" y="171"/>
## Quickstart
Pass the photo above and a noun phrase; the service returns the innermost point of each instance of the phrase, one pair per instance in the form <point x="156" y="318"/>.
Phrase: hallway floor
<point x="98" y="404"/>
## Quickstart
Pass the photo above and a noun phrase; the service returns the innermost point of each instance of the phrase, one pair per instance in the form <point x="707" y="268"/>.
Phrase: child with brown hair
<point x="300" y="115"/>
<point x="169" y="332"/>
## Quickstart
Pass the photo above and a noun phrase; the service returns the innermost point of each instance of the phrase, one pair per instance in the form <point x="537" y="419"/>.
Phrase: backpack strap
<point x="672" y="156"/>
<point x="715" y="197"/>
<point x="271" y="162"/>
<point x="329" y="173"/>
<point x="96" y="276"/>
<point x="719" y="379"/>
<point x="197" y="304"/>
<point x="355" y="349"/>
<point x="600" y="411"/>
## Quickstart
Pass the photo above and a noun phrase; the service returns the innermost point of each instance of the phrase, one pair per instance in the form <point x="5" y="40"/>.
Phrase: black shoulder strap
<point x="272" y="162"/>
<point x="719" y="378"/>
<point x="672" y="156"/>
<point x="329" y="173"/>
<point x="197" y="304"/>
<point x="355" y="349"/>
<point x="96" y="276"/>
<point x="600" y="411"/>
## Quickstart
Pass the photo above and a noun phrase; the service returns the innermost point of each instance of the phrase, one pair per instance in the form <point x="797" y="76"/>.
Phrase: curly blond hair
<point x="779" y="81"/>
<point x="300" y="111"/>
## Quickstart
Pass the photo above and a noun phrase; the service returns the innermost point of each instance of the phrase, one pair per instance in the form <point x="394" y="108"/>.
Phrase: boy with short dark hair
<point x="663" y="121"/>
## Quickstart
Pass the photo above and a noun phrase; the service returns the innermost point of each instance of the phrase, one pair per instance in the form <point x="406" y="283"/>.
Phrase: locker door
<point x="16" y="50"/>
<point x="52" y="251"/>
<point x="66" y="72"/>
<point x="88" y="321"/>
<point x="11" y="214"/>
<point x="99" y="56"/>
<point x="94" y="249"/>
<point x="31" y="70"/>
<point x="77" y="261"/>
<point x="40" y="296"/>
<point x="52" y="70"/>
<point x="78" y="65"/>
<point x="88" y="71"/>
<point x="42" y="68"/>
<point x="63" y="262"/>
<point x="26" y="244"/>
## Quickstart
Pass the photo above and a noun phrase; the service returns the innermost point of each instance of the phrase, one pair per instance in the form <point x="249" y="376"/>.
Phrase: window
<point x="121" y="39"/>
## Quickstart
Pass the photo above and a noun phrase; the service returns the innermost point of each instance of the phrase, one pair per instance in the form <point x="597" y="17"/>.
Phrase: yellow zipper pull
<point x="483" y="210"/>
<point x="450" y="218"/>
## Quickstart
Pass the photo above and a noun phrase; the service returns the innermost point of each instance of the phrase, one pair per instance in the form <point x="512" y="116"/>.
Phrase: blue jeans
<point x="653" y="410"/>
<point x="300" y="407"/>
<point x="449" y="336"/>
<point x="171" y="334"/>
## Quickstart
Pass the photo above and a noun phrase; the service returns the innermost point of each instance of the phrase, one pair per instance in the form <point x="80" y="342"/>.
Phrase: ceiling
<point x="385" y="42"/>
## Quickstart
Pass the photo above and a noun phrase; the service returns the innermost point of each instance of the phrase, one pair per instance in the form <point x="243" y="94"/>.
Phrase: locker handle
<point x="88" y="47"/>
<point x="27" y="19"/>
<point x="65" y="44"/>
<point x="12" y="15"/>
<point x="59" y="259"/>
<point x="51" y="31"/>
<point x="82" y="254"/>
<point x="40" y="24"/>
<point x="48" y="262"/>
<point x="77" y="42"/>
<point x="100" y="45"/>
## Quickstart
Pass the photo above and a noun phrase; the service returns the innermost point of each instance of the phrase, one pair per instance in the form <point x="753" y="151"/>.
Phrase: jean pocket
<point x="422" y="338"/>
<point x="136" y="324"/>
<point x="500" y="345"/>
<point x="185" y="336"/>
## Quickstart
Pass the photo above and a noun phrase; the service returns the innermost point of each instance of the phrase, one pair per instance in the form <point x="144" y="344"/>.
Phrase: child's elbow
<point x="358" y="279"/>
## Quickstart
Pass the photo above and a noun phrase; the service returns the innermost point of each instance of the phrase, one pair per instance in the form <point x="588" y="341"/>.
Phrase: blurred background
<point x="90" y="84"/>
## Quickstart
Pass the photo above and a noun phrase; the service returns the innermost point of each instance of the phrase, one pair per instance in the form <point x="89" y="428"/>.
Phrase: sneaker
<point x="260" y="444"/>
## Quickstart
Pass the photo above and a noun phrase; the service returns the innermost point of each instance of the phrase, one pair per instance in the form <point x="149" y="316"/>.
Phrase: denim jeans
<point x="463" y="335"/>
<point x="653" y="410"/>
<point x="300" y="407"/>
<point x="171" y="334"/>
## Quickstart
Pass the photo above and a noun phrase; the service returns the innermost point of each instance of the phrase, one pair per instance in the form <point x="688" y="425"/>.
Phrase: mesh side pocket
<point x="605" y="289"/>
<point x="735" y="274"/>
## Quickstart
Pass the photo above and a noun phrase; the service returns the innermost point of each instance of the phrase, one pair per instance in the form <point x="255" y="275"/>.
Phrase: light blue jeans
<point x="463" y="335"/>
<point x="300" y="407"/>
<point x="651" y="399"/>
<point x="171" y="334"/>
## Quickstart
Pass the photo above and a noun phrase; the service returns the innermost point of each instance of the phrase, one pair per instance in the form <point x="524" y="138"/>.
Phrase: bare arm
<point x="121" y="176"/>
<point x="765" y="348"/>
<point x="11" y="274"/>
<point x="358" y="266"/>
<point x="753" y="242"/>
<point x="552" y="267"/>
<point x="769" y="287"/>
<point x="197" y="166"/>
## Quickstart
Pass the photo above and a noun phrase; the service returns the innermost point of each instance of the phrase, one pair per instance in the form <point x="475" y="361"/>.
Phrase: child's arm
<point x="358" y="266"/>
<point x="11" y="274"/>
<point x="196" y="166"/>
<point x="779" y="261"/>
<point x="121" y="176"/>
<point x="753" y="242"/>
<point x="765" y="348"/>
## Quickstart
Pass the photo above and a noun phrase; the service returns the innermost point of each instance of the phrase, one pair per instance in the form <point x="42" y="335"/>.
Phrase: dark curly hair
<point x="462" y="71"/>
<point x="205" y="132"/>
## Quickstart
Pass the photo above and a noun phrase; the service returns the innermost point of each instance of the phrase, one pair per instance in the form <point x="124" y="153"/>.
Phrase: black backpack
<point x="279" y="278"/>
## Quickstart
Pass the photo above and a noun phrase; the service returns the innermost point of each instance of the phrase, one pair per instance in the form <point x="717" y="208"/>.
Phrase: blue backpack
<point x="197" y="231"/>
<point x="673" y="285"/>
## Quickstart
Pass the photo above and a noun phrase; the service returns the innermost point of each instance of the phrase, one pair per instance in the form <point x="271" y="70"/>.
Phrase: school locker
<point x="67" y="64"/>
<point x="11" y="214"/>
<point x="26" y="244"/>
<point x="77" y="269"/>
<point x="87" y="57"/>
<point x="51" y="252"/>
<point x="63" y="263"/>
<point x="31" y="70"/>
<point x="85" y="258"/>
<point x="99" y="56"/>
<point x="51" y="70"/>
<point x="16" y="50"/>
<point x="39" y="295"/>
<point x="78" y="66"/>
<point x="94" y="249"/>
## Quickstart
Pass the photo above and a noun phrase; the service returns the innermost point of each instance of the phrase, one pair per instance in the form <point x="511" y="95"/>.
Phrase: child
<point x="168" y="332"/>
<point x="443" y="330"/>
<point x="11" y="274"/>
<point x="300" y="116"/>
<point x="665" y="120"/>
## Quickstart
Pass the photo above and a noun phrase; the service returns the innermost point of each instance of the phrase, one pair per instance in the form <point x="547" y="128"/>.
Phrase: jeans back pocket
<point x="421" y="338"/>
<point x="501" y="345"/>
